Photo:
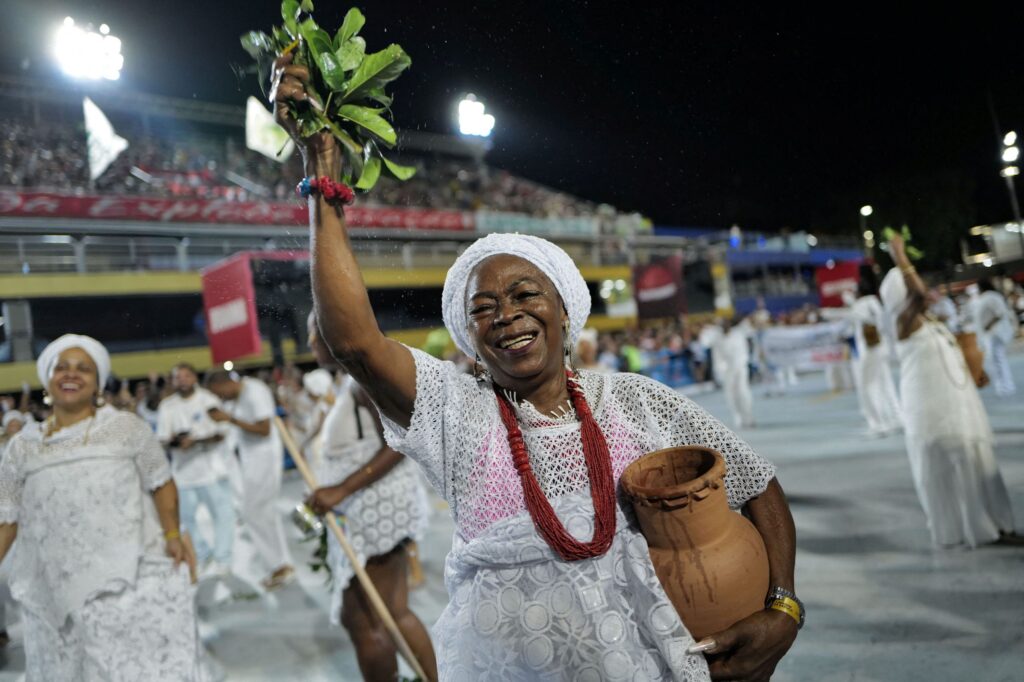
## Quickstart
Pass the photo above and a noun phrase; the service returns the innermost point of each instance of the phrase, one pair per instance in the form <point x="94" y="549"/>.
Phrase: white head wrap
<point x="547" y="257"/>
<point x="893" y="292"/>
<point x="318" y="382"/>
<point x="48" y="358"/>
<point x="12" y="416"/>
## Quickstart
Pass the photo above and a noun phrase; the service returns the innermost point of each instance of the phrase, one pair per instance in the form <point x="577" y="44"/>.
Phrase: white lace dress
<point x="517" y="611"/>
<point x="100" y="599"/>
<point x="378" y="517"/>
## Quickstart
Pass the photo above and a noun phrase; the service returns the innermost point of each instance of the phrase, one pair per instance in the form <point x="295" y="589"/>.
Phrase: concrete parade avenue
<point x="882" y="604"/>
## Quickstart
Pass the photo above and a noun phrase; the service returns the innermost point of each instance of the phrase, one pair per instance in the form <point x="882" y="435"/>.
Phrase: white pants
<point x="998" y="367"/>
<point x="261" y="482"/>
<point x="737" y="393"/>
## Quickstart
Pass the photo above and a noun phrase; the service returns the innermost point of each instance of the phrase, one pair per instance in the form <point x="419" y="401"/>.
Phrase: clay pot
<point x="710" y="560"/>
<point x="974" y="357"/>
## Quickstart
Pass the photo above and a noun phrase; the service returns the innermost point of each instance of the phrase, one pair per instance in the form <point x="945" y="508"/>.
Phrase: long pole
<point x="364" y="580"/>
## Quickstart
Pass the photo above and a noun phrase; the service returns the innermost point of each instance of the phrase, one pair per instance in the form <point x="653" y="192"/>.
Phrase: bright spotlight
<point x="866" y="211"/>
<point x="472" y="118"/>
<point x="228" y="366"/>
<point x="987" y="262"/>
<point x="812" y="240"/>
<point x="1010" y="171"/>
<point x="1011" y="154"/>
<point x="83" y="53"/>
<point x="1010" y="139"/>
<point x="868" y="235"/>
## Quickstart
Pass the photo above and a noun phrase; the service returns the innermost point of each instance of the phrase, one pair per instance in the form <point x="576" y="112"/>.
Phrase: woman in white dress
<point x="98" y="570"/>
<point x="949" y="440"/>
<point x="379" y="494"/>
<point x="549" y="577"/>
<point x="876" y="389"/>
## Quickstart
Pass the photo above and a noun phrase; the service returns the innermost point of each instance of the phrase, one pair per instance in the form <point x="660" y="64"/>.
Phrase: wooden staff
<point x="364" y="580"/>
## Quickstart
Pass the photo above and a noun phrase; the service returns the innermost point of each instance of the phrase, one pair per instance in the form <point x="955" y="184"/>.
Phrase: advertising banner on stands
<point x="805" y="346"/>
<point x="832" y="282"/>
<point x="659" y="287"/>
<point x="15" y="203"/>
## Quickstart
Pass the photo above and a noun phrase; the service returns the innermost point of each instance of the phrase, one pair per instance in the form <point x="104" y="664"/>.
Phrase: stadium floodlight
<point x="866" y="211"/>
<point x="1010" y="139"/>
<point x="84" y="53"/>
<point x="472" y="117"/>
<point x="1011" y="154"/>
<point x="1010" y="171"/>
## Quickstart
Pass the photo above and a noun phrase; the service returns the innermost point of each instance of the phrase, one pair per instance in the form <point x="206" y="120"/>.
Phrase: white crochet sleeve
<point x="150" y="457"/>
<point x="684" y="422"/>
<point x="12" y="479"/>
<point x="424" y="440"/>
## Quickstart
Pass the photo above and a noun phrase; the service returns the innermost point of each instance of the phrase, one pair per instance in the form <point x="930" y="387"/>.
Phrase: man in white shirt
<point x="995" y="325"/>
<point x="195" y="441"/>
<point x="250" y="409"/>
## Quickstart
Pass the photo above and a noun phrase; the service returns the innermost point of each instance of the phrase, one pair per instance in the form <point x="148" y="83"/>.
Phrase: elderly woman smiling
<point x="98" y="569"/>
<point x="549" y="576"/>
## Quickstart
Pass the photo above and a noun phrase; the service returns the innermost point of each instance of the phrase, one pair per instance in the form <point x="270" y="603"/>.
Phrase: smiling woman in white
<point x="98" y="570"/>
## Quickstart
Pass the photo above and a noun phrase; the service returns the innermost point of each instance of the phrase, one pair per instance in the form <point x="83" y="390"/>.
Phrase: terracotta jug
<point x="710" y="560"/>
<point x="974" y="357"/>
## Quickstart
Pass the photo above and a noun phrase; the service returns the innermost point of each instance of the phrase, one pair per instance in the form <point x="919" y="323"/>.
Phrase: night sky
<point x="708" y="115"/>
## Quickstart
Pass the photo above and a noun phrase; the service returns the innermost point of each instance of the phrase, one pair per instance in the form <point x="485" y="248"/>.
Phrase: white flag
<point x="263" y="135"/>
<point x="103" y="143"/>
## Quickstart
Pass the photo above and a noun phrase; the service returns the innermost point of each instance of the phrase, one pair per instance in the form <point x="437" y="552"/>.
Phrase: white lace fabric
<point x="517" y="610"/>
<point x="85" y="517"/>
<point x="457" y="436"/>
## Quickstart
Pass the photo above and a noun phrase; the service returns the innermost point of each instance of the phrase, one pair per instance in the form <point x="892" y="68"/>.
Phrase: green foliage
<point x="913" y="253"/>
<point x="356" y="108"/>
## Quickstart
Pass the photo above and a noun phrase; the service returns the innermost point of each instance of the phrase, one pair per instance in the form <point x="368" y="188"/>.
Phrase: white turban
<point x="893" y="292"/>
<point x="318" y="382"/>
<point x="547" y="257"/>
<point x="12" y="416"/>
<point x="48" y="358"/>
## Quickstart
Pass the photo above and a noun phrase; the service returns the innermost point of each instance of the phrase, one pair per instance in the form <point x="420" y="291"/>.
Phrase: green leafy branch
<point x="913" y="253"/>
<point x="346" y="90"/>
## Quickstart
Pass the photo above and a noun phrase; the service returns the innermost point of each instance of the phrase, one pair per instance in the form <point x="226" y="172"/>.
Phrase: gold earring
<point x="479" y="371"/>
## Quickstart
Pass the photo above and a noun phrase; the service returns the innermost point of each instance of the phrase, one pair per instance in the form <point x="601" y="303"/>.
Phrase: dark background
<point x="693" y="115"/>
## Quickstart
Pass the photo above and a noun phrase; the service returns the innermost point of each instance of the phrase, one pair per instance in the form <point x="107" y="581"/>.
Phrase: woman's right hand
<point x="288" y="87"/>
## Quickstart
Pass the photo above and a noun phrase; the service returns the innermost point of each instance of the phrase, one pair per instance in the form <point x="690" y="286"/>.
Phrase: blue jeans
<point x="217" y="500"/>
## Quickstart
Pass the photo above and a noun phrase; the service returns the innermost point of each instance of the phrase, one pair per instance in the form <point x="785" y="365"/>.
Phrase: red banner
<point x="832" y="282"/>
<point x="229" y="300"/>
<point x="53" y="205"/>
<point x="659" y="288"/>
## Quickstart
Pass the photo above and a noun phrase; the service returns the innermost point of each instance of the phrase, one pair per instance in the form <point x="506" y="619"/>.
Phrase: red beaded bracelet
<point x="331" y="190"/>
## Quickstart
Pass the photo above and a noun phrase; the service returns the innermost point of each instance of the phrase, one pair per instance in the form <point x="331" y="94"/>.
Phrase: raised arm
<point x="909" y="319"/>
<point x="384" y="367"/>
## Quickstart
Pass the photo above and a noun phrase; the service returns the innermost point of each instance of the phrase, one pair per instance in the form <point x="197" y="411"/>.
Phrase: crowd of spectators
<point x="52" y="156"/>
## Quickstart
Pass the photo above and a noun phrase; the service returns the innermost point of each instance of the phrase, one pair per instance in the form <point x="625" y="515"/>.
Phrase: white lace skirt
<point x="145" y="632"/>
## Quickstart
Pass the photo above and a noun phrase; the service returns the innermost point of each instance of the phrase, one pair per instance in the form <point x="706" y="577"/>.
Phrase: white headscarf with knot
<point x="547" y="257"/>
<point x="48" y="358"/>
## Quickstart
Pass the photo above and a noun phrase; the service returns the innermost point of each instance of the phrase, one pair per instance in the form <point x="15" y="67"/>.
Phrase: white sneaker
<point x="214" y="569"/>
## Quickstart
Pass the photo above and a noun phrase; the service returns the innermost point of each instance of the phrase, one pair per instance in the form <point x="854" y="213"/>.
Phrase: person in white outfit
<point x="995" y="325"/>
<point x="944" y="309"/>
<point x="196" y="442"/>
<point x="384" y="503"/>
<point x="730" y="357"/>
<point x="872" y="374"/>
<point x="949" y="440"/>
<point x="250" y="409"/>
<point x="100" y="568"/>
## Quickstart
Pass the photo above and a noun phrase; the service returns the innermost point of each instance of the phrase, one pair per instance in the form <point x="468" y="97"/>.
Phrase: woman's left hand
<point x="750" y="649"/>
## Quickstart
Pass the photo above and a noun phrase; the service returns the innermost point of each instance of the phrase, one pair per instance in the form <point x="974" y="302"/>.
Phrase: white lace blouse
<point x="81" y="500"/>
<point x="457" y="436"/>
